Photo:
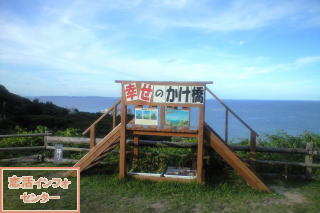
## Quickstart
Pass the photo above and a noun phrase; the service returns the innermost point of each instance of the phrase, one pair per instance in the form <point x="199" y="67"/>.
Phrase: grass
<point x="102" y="191"/>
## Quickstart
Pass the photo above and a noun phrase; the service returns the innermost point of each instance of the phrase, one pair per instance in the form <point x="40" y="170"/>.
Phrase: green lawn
<point x="101" y="191"/>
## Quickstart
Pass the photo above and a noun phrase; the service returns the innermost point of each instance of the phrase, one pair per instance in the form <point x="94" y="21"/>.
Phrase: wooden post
<point x="135" y="148"/>
<point x="45" y="140"/>
<point x="226" y="126"/>
<point x="253" y="143"/>
<point x="308" y="160"/>
<point x="162" y="116"/>
<point x="114" y="116"/>
<point x="200" y="145"/>
<point x="92" y="137"/>
<point x="122" y="155"/>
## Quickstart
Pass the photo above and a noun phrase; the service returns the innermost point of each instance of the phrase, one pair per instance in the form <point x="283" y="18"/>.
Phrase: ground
<point x="101" y="191"/>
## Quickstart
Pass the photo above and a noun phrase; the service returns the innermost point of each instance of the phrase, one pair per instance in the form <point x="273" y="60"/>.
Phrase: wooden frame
<point x="136" y="131"/>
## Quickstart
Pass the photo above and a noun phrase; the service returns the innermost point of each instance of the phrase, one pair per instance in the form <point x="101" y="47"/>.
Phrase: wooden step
<point x="233" y="160"/>
<point x="94" y="153"/>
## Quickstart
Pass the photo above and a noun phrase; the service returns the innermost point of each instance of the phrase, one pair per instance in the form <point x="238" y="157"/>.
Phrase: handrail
<point x="102" y="116"/>
<point x="230" y="110"/>
<point x="253" y="133"/>
<point x="25" y="135"/>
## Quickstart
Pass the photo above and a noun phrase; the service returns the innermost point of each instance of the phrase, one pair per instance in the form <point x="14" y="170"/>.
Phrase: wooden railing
<point x="32" y="149"/>
<point x="253" y="133"/>
<point x="92" y="127"/>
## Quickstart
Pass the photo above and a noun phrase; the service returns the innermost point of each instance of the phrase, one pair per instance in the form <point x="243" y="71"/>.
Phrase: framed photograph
<point x="177" y="117"/>
<point x="146" y="116"/>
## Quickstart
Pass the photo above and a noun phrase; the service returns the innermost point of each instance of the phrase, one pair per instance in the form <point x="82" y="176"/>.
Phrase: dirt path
<point x="291" y="195"/>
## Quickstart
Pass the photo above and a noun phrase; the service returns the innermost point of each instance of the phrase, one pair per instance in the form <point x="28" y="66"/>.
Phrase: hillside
<point x="19" y="111"/>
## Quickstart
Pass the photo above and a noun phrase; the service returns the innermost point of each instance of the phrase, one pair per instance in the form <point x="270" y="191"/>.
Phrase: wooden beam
<point x="230" y="110"/>
<point x="200" y="177"/>
<point x="173" y="83"/>
<point x="135" y="148"/>
<point x="96" y="151"/>
<point x="25" y="135"/>
<point x="308" y="160"/>
<point x="161" y="179"/>
<point x="226" y="126"/>
<point x="162" y="116"/>
<point x="101" y="117"/>
<point x="92" y="137"/>
<point x="165" y="134"/>
<point x="123" y="124"/>
<point x="63" y="161"/>
<point x="163" y="143"/>
<point x="22" y="148"/>
<point x="275" y="162"/>
<point x="233" y="160"/>
<point x="114" y="116"/>
<point x="75" y="149"/>
<point x="253" y="144"/>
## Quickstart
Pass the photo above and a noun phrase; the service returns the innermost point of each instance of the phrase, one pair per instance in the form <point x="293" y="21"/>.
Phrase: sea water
<point x="264" y="116"/>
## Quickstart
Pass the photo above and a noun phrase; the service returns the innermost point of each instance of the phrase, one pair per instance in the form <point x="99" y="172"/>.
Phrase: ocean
<point x="264" y="116"/>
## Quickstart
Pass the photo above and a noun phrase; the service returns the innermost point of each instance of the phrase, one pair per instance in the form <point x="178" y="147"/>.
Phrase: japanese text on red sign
<point x="165" y="94"/>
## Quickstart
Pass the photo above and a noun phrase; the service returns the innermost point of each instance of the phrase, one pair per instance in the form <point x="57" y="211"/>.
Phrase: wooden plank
<point x="63" y="161"/>
<point x="101" y="117"/>
<point x="165" y="134"/>
<point x="253" y="144"/>
<point x="96" y="151"/>
<point x="135" y="148"/>
<point x="173" y="83"/>
<point x="274" y="162"/>
<point x="274" y="150"/>
<point x="22" y="148"/>
<point x="25" y="135"/>
<point x="114" y="117"/>
<point x="226" y="128"/>
<point x="233" y="160"/>
<point x="200" y="177"/>
<point x="232" y="112"/>
<point x="164" y="129"/>
<point x="277" y="175"/>
<point x="110" y="149"/>
<point x="163" y="143"/>
<point x="70" y="140"/>
<point x="80" y="140"/>
<point x="92" y="137"/>
<point x="139" y="102"/>
<point x="122" y="155"/>
<point x="162" y="116"/>
<point x="75" y="149"/>
<point x="161" y="179"/>
<point x="308" y="160"/>
<point x="13" y="160"/>
<point x="23" y="159"/>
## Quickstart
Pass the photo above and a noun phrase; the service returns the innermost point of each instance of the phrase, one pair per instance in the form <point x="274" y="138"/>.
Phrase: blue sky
<point x="249" y="49"/>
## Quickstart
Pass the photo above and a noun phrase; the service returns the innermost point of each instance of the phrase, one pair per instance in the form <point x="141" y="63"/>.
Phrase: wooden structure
<point x="167" y="95"/>
<point x="309" y="152"/>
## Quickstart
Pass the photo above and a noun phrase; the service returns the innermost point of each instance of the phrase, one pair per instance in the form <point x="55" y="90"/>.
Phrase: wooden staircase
<point x="111" y="140"/>
<point x="232" y="159"/>
<point x="99" y="151"/>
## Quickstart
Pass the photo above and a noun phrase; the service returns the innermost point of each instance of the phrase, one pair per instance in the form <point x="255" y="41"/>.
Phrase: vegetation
<point x="102" y="191"/>
<point x="19" y="111"/>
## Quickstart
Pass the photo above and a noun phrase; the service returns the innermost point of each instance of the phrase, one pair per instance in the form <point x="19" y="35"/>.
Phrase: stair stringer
<point x="108" y="141"/>
<point x="233" y="160"/>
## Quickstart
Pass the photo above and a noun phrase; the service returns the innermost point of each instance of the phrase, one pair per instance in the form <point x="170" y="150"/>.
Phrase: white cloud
<point x="235" y="15"/>
<point x="308" y="60"/>
<point x="68" y="40"/>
